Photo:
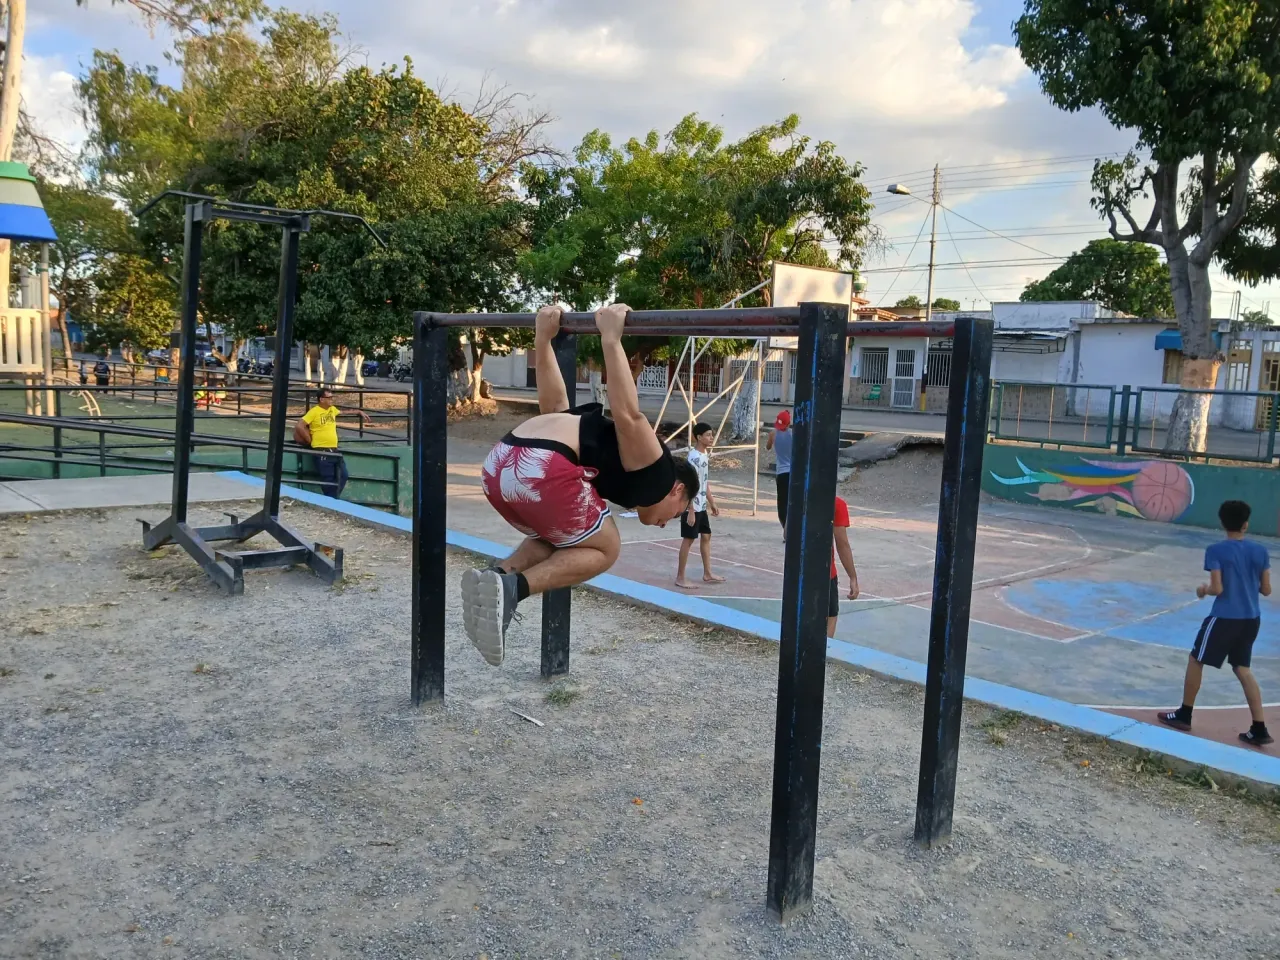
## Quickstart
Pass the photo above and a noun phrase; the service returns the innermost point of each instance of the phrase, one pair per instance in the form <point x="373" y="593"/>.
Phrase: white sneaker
<point x="488" y="606"/>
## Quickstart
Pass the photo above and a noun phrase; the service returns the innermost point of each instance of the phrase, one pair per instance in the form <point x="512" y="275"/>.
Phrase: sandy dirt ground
<point x="185" y="775"/>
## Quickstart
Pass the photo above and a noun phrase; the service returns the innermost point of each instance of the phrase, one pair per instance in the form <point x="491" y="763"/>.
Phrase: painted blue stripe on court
<point x="1217" y="756"/>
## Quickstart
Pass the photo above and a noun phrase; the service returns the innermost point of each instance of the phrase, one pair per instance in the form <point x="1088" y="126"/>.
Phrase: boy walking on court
<point x="694" y="524"/>
<point x="780" y="442"/>
<point x="1239" y="570"/>
<point x="840" y="547"/>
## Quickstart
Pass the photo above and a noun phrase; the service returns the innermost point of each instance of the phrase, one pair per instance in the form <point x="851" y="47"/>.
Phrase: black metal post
<point x="288" y="292"/>
<point x="967" y="410"/>
<point x="430" y="489"/>
<point x="184" y="423"/>
<point x="57" y="431"/>
<point x="806" y="589"/>
<point x="557" y="604"/>
<point x="1122" y="437"/>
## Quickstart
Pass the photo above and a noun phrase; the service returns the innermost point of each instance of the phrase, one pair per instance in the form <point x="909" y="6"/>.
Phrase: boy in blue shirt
<point x="1239" y="570"/>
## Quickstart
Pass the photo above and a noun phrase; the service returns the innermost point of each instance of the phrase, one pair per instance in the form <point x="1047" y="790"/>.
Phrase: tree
<point x="1129" y="277"/>
<point x="1199" y="83"/>
<point x="269" y="111"/>
<point x="947" y="304"/>
<point x="909" y="302"/>
<point x="687" y="220"/>
<point x="91" y="229"/>
<point x="134" y="307"/>
<point x="1255" y="320"/>
<point x="1252" y="254"/>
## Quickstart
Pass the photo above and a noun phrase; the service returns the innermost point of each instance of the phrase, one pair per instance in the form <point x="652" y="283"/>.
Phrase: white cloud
<point x="48" y="93"/>
<point x="595" y="50"/>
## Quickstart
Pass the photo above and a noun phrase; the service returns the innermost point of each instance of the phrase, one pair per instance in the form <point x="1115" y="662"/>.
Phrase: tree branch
<point x="1215" y="231"/>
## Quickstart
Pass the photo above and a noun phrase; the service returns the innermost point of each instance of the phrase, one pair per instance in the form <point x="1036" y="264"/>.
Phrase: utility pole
<point x="933" y="242"/>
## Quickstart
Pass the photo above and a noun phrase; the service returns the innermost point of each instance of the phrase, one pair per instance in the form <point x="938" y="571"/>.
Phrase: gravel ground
<point x="185" y="775"/>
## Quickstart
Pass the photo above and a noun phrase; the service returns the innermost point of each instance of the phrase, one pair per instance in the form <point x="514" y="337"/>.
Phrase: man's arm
<point x="1264" y="587"/>
<point x="1213" y="588"/>
<point x="638" y="445"/>
<point x="302" y="433"/>
<point x="845" y="552"/>
<point x="768" y="444"/>
<point x="552" y="395"/>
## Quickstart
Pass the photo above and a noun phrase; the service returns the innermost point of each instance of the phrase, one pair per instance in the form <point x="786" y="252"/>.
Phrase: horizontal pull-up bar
<point x="745" y="323"/>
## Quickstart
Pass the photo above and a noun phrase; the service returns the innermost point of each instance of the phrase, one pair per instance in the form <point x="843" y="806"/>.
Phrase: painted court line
<point x="1217" y="756"/>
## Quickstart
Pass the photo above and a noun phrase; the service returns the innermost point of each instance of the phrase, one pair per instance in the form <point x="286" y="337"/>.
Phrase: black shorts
<point x="833" y="602"/>
<point x="701" y="524"/>
<point x="1221" y="638"/>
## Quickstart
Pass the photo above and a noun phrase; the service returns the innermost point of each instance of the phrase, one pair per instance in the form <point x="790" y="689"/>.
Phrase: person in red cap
<point x="780" y="442"/>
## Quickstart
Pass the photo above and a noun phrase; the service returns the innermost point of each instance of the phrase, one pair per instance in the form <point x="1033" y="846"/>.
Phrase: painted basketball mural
<point x="1150" y="489"/>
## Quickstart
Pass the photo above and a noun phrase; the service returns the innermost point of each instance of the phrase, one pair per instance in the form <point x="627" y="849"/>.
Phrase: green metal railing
<point x="1054" y="414"/>
<point x="119" y="450"/>
<point x="1246" y="428"/>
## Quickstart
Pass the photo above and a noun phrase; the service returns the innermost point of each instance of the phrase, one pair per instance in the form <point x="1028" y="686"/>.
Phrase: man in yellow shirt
<point x="318" y="429"/>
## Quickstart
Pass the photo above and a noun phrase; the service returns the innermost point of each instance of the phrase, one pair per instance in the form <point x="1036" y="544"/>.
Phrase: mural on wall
<point x="1150" y="489"/>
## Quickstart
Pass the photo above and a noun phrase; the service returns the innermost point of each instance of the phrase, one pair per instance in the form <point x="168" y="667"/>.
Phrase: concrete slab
<point x="34" y="496"/>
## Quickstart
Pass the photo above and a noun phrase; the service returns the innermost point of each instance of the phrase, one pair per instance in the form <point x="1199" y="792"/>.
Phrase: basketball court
<point x="1100" y="612"/>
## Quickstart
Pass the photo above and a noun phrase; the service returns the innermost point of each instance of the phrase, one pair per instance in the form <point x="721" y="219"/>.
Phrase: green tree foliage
<point x="688" y="220"/>
<point x="909" y="302"/>
<point x="1124" y="276"/>
<point x="946" y="303"/>
<point x="134" y="306"/>
<point x="1252" y="253"/>
<point x="1199" y="83"/>
<point x="270" y="112"/>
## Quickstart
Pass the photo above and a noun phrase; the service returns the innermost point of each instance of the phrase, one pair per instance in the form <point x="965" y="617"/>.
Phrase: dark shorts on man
<point x="833" y="601"/>
<point x="701" y="524"/>
<point x="332" y="470"/>
<point x="1225" y="639"/>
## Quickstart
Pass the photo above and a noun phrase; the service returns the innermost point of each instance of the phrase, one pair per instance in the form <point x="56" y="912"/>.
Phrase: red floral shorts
<point x="539" y="488"/>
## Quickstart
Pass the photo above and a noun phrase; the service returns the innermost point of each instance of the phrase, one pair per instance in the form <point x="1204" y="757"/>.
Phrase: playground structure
<point x="823" y="331"/>
<point x="226" y="567"/>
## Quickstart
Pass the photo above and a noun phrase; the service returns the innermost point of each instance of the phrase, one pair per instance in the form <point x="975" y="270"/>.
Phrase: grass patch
<point x="8" y="671"/>
<point x="562" y="694"/>
<point x="1001" y="721"/>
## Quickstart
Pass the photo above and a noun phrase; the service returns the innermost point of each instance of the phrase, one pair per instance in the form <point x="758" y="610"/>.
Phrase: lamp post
<point x="899" y="190"/>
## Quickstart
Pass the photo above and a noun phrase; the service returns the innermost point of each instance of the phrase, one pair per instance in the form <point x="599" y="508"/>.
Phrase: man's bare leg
<point x="530" y="552"/>
<point x="1252" y="692"/>
<point x="685" y="547"/>
<point x="569" y="566"/>
<point x="704" y="547"/>
<point x="1191" y="683"/>
<point x="831" y="626"/>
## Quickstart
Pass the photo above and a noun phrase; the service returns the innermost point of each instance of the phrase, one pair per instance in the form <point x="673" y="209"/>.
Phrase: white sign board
<point x="793" y="285"/>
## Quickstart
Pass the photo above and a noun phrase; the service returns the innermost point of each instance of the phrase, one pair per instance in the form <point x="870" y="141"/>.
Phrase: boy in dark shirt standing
<point x="1239" y="570"/>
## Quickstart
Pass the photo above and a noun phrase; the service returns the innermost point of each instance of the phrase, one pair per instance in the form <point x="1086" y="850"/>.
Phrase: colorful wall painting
<point x="1150" y="489"/>
<point x="1162" y="491"/>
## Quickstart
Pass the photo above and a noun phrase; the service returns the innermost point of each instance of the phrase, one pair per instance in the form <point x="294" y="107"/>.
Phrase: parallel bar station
<point x="823" y="330"/>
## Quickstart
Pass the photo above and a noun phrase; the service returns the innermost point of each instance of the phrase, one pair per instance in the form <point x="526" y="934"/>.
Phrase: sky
<point x="897" y="85"/>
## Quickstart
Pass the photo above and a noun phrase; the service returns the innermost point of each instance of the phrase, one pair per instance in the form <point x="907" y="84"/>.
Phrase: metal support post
<point x="556" y="604"/>
<point x="806" y="590"/>
<point x="967" y="411"/>
<point x="288" y="294"/>
<point x="1122" y="435"/>
<point x="184" y="424"/>
<point x="430" y="489"/>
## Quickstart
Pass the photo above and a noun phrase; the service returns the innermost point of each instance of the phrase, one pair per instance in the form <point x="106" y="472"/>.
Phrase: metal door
<point x="904" y="379"/>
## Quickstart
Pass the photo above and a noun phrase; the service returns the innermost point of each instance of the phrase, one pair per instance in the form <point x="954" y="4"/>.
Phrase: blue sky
<point x="898" y="85"/>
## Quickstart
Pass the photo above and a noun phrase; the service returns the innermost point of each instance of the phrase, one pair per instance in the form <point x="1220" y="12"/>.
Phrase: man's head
<point x="1234" y="515"/>
<point x="703" y="435"/>
<point x="677" y="501"/>
<point x="325" y="398"/>
<point x="782" y="421"/>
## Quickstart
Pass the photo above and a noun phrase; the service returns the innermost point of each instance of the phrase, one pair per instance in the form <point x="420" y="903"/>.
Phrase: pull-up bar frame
<point x="823" y="331"/>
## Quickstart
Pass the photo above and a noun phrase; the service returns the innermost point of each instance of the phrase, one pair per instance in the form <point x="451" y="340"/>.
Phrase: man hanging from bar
<point x="550" y="477"/>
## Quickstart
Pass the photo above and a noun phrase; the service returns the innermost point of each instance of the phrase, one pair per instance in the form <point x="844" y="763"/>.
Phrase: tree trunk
<point x="340" y="365"/>
<point x="358" y="368"/>
<point x="1192" y="296"/>
<point x="459" y="375"/>
<point x="742" y="419"/>
<point x="476" y="373"/>
<point x="65" y="333"/>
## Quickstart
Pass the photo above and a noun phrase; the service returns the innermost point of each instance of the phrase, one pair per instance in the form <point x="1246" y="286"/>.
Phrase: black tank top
<point x="598" y="449"/>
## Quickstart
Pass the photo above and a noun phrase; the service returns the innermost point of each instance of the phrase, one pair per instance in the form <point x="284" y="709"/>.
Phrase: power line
<point x="999" y="234"/>
<point x="946" y="223"/>
<point x="975" y="264"/>
<point x="905" y="259"/>
<point x="922" y="176"/>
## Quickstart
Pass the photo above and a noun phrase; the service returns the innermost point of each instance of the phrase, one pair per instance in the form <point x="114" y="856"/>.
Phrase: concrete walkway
<point x="33" y="496"/>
